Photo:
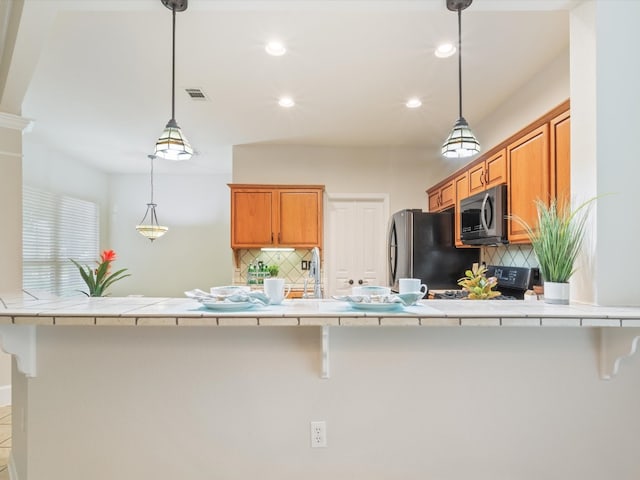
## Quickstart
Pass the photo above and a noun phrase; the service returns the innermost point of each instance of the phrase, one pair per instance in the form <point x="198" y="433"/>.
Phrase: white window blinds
<point x="55" y="229"/>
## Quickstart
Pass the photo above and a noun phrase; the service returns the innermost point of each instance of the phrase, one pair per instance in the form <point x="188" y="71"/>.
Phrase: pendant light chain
<point x="173" y="67"/>
<point x="459" y="62"/>
<point x="152" y="157"/>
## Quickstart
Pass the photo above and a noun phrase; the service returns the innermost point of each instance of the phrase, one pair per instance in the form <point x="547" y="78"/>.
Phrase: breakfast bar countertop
<point x="27" y="309"/>
<point x="21" y="314"/>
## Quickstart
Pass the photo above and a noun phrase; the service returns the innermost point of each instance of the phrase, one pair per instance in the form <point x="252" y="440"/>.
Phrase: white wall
<point x="194" y="253"/>
<point x="541" y="93"/>
<point x="583" y="146"/>
<point x="403" y="173"/>
<point x="604" y="92"/>
<point x="47" y="169"/>
<point x="618" y="165"/>
<point x="10" y="232"/>
<point x="10" y="209"/>
<point x="408" y="403"/>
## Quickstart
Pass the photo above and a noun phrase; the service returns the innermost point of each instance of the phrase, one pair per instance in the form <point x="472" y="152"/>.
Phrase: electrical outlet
<point x="318" y="434"/>
<point x="304" y="265"/>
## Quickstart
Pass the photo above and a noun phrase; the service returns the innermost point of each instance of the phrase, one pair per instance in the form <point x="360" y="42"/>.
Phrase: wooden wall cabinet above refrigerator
<point x="442" y="197"/>
<point x="276" y="216"/>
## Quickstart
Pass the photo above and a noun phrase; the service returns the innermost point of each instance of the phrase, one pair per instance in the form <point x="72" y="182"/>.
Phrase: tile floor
<point x="5" y="440"/>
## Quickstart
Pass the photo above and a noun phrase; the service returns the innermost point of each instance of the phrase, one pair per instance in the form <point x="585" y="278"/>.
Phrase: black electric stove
<point x="512" y="283"/>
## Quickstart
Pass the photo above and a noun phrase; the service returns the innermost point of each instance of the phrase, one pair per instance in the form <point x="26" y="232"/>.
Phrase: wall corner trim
<point x="15" y="122"/>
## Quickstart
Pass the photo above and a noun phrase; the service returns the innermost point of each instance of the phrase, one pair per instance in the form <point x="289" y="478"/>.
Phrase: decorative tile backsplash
<point x="289" y="264"/>
<point x="509" y="256"/>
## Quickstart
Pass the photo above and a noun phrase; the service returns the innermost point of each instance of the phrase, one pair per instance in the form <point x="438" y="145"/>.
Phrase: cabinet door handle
<point x="482" y="176"/>
<point x="486" y="177"/>
<point x="278" y="237"/>
<point x="271" y="237"/>
<point x="350" y="282"/>
<point x="360" y="282"/>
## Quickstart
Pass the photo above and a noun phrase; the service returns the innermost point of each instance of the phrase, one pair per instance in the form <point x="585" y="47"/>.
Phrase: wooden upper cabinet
<point x="461" y="183"/>
<point x="251" y="218"/>
<point x="434" y="200"/>
<point x="492" y="171"/>
<point x="299" y="218"/>
<point x="447" y="195"/>
<point x="476" y="178"/>
<point x="442" y="197"/>
<point x="496" y="169"/>
<point x="528" y="172"/>
<point x="276" y="215"/>
<point x="560" y="131"/>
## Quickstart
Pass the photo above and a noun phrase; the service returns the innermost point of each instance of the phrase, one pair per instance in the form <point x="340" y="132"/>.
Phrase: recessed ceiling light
<point x="413" y="103"/>
<point x="445" y="50"/>
<point x="275" y="48"/>
<point x="286" y="102"/>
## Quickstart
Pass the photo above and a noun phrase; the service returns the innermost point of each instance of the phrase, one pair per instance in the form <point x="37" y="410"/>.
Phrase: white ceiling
<point x="101" y="88"/>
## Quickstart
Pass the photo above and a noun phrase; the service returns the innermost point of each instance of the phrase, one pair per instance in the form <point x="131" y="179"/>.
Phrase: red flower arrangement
<point x="100" y="278"/>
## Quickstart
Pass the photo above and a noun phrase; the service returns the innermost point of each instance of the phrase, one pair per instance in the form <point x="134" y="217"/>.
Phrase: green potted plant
<point x="556" y="240"/>
<point x="476" y="283"/>
<point x="100" y="278"/>
<point x="273" y="270"/>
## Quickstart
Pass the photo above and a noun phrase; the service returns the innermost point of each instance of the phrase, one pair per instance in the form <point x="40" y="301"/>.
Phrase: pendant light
<point x="172" y="144"/>
<point x="151" y="229"/>
<point x="461" y="142"/>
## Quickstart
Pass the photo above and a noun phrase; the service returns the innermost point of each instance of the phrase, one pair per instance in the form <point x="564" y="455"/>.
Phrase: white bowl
<point x="410" y="298"/>
<point x="229" y="290"/>
<point x="370" y="290"/>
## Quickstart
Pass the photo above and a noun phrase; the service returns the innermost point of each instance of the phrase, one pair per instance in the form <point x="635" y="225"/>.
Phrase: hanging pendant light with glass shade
<point x="149" y="226"/>
<point x="172" y="144"/>
<point x="461" y="142"/>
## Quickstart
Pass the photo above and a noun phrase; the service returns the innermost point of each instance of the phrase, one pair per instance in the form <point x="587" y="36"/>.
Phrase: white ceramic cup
<point x="275" y="289"/>
<point x="411" y="285"/>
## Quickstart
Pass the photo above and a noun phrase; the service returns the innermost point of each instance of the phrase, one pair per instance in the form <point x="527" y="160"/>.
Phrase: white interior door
<point x="356" y="241"/>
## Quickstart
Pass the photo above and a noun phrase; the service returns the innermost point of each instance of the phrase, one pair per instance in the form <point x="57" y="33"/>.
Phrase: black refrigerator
<point x="421" y="245"/>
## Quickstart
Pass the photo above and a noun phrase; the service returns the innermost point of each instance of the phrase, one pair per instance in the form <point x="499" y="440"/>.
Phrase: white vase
<point x="557" y="293"/>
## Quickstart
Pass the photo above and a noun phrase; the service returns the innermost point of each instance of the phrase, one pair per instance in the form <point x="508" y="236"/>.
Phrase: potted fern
<point x="556" y="240"/>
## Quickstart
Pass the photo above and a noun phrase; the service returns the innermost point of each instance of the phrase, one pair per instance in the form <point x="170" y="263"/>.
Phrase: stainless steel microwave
<point x="483" y="217"/>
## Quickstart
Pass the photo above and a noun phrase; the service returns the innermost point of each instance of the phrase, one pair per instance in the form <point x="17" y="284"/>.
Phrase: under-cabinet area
<point x="534" y="163"/>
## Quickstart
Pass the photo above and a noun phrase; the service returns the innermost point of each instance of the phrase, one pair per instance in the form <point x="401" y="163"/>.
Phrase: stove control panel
<point x="520" y="278"/>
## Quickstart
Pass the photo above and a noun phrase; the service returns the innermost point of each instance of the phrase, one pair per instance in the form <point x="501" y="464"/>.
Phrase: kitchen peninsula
<point x="27" y="310"/>
<point x="153" y="379"/>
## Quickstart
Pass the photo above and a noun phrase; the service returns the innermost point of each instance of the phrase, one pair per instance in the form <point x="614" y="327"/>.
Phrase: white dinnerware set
<point x="241" y="297"/>
<point x="363" y="297"/>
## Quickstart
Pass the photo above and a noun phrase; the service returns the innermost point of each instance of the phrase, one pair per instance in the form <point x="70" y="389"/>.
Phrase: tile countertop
<point x="26" y="309"/>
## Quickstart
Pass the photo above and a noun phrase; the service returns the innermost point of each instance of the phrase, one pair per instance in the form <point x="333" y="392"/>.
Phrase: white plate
<point x="229" y="290"/>
<point x="376" y="307"/>
<point x="228" y="306"/>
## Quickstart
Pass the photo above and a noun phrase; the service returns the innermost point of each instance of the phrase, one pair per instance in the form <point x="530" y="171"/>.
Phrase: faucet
<point x="314" y="274"/>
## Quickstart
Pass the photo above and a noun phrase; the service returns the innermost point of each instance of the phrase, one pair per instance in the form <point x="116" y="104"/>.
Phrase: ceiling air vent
<point x="196" y="94"/>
